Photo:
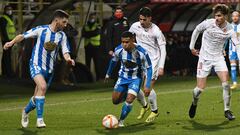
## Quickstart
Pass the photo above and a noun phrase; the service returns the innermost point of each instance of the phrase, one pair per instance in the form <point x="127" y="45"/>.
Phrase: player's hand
<point x="110" y="53"/>
<point x="71" y="62"/>
<point x="195" y="52"/>
<point x="7" y="45"/>
<point x="147" y="91"/>
<point x="107" y="77"/>
<point x="160" y="72"/>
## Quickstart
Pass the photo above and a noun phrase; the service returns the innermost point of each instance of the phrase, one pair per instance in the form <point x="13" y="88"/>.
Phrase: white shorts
<point x="155" y="68"/>
<point x="204" y="66"/>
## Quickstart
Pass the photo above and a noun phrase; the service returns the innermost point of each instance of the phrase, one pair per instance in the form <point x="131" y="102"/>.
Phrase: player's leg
<point x="203" y="70"/>
<point x="223" y="75"/>
<point x="29" y="107"/>
<point x="40" y="99"/>
<point x="152" y="99"/>
<point x="132" y="90"/>
<point x="145" y="106"/>
<point x="126" y="108"/>
<point x="233" y="64"/>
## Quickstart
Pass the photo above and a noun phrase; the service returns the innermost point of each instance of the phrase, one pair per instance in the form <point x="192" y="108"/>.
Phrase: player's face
<point x="235" y="17"/>
<point x="220" y="18"/>
<point x="61" y="23"/>
<point x="145" y="21"/>
<point x="127" y="43"/>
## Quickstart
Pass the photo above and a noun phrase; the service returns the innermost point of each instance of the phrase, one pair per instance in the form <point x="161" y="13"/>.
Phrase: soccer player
<point x="233" y="56"/>
<point x="215" y="33"/>
<point x="49" y="39"/>
<point x="150" y="37"/>
<point x="134" y="62"/>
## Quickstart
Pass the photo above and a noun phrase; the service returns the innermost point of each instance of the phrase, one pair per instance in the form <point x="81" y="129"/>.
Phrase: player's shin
<point x="196" y="93"/>
<point x="30" y="106"/>
<point x="126" y="108"/>
<point x="152" y="99"/>
<point x="226" y="95"/>
<point x="141" y="99"/>
<point x="40" y="100"/>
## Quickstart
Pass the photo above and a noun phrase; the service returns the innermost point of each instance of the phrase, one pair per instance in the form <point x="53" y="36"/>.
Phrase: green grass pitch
<point x="79" y="111"/>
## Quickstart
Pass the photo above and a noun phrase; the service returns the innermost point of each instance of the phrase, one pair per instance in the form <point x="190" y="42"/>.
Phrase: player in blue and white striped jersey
<point x="233" y="54"/>
<point x="134" y="63"/>
<point x="49" y="39"/>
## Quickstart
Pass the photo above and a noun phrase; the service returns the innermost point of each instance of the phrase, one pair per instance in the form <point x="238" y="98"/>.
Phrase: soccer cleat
<point x="143" y="112"/>
<point x="24" y="120"/>
<point x="228" y="114"/>
<point x="41" y="124"/>
<point x="233" y="87"/>
<point x="121" y="123"/>
<point x="151" y="117"/>
<point x="192" y="111"/>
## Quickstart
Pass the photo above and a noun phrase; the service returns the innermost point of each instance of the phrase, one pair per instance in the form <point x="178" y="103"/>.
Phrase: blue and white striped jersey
<point x="232" y="47"/>
<point x="133" y="63"/>
<point x="42" y="56"/>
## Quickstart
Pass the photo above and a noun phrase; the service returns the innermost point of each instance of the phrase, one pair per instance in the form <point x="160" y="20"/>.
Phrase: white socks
<point x="141" y="98"/>
<point x="152" y="99"/>
<point x="196" y="93"/>
<point x="226" y="95"/>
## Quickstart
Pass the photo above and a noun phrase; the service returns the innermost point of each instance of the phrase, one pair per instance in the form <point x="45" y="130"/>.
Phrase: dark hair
<point x="145" y="11"/>
<point x="6" y="7"/>
<point x="118" y="8"/>
<point x="222" y="8"/>
<point x="60" y="14"/>
<point x="127" y="34"/>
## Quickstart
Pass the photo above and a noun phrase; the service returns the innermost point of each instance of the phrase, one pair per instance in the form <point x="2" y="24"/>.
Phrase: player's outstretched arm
<point x="68" y="58"/>
<point x="17" y="39"/>
<point x="147" y="87"/>
<point x="112" y="64"/>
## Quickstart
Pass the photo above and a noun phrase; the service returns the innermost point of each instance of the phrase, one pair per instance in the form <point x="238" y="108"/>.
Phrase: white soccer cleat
<point x="121" y="123"/>
<point x="24" y="120"/>
<point x="41" y="124"/>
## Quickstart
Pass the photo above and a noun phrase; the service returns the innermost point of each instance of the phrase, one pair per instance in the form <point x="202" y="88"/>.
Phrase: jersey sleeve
<point x="34" y="32"/>
<point x="146" y="61"/>
<point x="162" y="46"/>
<point x="200" y="28"/>
<point x="65" y="44"/>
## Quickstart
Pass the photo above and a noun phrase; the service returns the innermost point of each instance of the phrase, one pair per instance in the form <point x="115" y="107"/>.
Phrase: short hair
<point x="118" y="8"/>
<point x="222" y="8"/>
<point x="127" y="34"/>
<point x="60" y="14"/>
<point x="7" y="7"/>
<point x="145" y="11"/>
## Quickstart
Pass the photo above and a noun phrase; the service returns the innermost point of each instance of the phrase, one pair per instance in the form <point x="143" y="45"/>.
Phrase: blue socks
<point x="39" y="105"/>
<point x="234" y="73"/>
<point x="126" y="108"/>
<point x="30" y="106"/>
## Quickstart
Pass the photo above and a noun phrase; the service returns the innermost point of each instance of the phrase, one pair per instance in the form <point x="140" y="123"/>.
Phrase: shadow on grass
<point x="28" y="131"/>
<point x="209" y="127"/>
<point x="128" y="129"/>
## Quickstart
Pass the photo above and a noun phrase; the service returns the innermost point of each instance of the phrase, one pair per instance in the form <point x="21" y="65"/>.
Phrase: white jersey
<point x="213" y="39"/>
<point x="45" y="37"/>
<point x="153" y="41"/>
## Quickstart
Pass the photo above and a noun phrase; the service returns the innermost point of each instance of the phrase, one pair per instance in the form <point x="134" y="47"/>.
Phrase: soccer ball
<point x="110" y="121"/>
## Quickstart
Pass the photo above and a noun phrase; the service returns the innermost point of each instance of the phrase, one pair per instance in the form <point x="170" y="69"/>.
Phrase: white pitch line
<point x="105" y="99"/>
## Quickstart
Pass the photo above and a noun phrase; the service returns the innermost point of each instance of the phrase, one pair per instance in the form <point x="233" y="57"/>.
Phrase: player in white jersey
<point x="233" y="54"/>
<point x="49" y="39"/>
<point x="134" y="62"/>
<point x="215" y="33"/>
<point x="150" y="37"/>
